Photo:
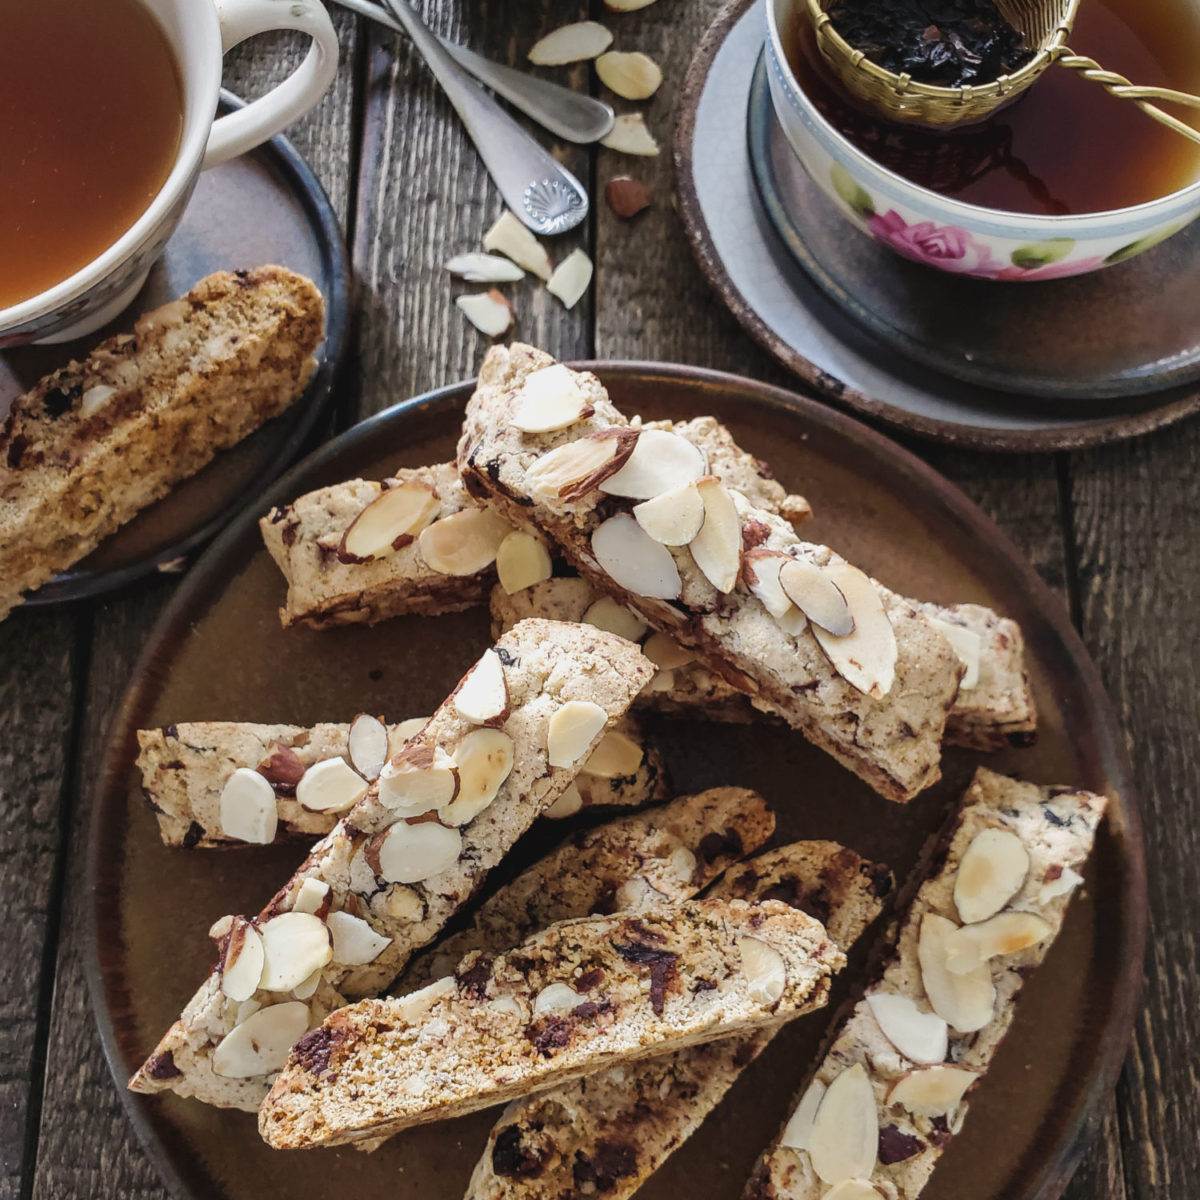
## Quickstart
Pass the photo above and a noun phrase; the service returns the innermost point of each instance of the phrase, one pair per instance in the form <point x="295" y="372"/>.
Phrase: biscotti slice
<point x="186" y="769"/>
<point x="615" y="1128"/>
<point x="890" y="1092"/>
<point x="96" y="442"/>
<point x="444" y="811"/>
<point x="580" y="996"/>
<point x="853" y="666"/>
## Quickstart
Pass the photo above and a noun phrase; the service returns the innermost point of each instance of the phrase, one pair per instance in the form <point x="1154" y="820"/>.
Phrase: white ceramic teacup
<point x="200" y="32"/>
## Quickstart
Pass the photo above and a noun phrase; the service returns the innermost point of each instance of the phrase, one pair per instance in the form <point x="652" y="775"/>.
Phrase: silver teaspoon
<point x="567" y="114"/>
<point x="542" y="193"/>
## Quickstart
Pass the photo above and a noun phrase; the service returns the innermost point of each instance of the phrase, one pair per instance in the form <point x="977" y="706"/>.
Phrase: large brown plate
<point x="219" y="652"/>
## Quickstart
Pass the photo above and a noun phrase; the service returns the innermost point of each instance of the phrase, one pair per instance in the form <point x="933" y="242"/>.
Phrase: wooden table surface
<point x="1111" y="529"/>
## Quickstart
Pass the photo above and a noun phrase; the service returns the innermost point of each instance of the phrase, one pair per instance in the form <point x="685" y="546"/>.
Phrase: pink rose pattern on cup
<point x="949" y="247"/>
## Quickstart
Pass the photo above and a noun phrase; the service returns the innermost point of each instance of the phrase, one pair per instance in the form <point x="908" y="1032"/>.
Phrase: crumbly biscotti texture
<point x="322" y="590"/>
<point x="96" y="442"/>
<point x="1057" y="827"/>
<point x="893" y="742"/>
<point x="615" y="1128"/>
<point x="185" y="767"/>
<point x="546" y="665"/>
<point x="581" y="996"/>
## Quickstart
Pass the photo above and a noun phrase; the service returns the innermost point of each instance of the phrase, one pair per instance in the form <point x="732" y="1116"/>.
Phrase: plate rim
<point x="114" y="765"/>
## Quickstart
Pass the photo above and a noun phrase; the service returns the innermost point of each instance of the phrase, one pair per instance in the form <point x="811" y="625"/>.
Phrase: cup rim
<point x="200" y="87"/>
<point x="962" y="208"/>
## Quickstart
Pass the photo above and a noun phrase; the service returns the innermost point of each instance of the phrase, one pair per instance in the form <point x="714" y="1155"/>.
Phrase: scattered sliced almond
<point x="404" y="732"/>
<point x="626" y="196"/>
<point x="95" y="398"/>
<point x="616" y="755"/>
<point x="1066" y="881"/>
<point x="666" y="653"/>
<point x="1005" y="933"/>
<point x="484" y="268"/>
<point x="629" y="135"/>
<point x="815" y="594"/>
<point x="760" y="569"/>
<point x="556" y="998"/>
<point x="572" y="729"/>
<point x="567" y="805"/>
<point x="571" y="43"/>
<point x="246" y="1010"/>
<point x="307" y="987"/>
<point x="311" y="896"/>
<point x="931" y="1091"/>
<point x="967" y="644"/>
<point x="483" y="694"/>
<point x="521" y="561"/>
<point x="920" y="1036"/>
<point x="632" y="75"/>
<point x="248" y="808"/>
<point x="490" y="312"/>
<point x="674" y="518"/>
<point x="965" y="1002"/>
<point x="514" y="241"/>
<point x="389" y="522"/>
<point x="415" y="784"/>
<point x="764" y="967"/>
<point x="854" y="1189"/>
<point x="867" y="658"/>
<point x="797" y="1133"/>
<point x="260" y="1044"/>
<point x="550" y="399"/>
<point x="485" y="760"/>
<point x="576" y="468"/>
<point x="331" y="785"/>
<point x="613" y="617"/>
<point x="242" y="961"/>
<point x="626" y="5"/>
<point x="660" y="681"/>
<point x="661" y="461"/>
<point x="793" y="622"/>
<point x="355" y="943"/>
<point x="571" y="278"/>
<point x="717" y="548"/>
<point x="367" y="745"/>
<point x="991" y="872"/>
<point x="463" y="543"/>
<point x="414" y="853"/>
<point x="294" y="946"/>
<point x="845" y="1132"/>
<point x="634" y="560"/>
<point x="221" y="928"/>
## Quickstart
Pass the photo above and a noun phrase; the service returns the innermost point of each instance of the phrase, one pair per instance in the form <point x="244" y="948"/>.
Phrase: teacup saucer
<point x="855" y="320"/>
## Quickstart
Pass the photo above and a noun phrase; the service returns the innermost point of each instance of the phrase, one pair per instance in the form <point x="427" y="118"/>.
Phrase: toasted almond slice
<point x="991" y="872"/>
<point x="571" y="278"/>
<point x="550" y="399"/>
<point x="967" y="644"/>
<point x="615" y="756"/>
<point x="490" y="312"/>
<point x="674" y="518"/>
<point x="418" y="782"/>
<point x="815" y="594"/>
<point x="965" y="1002"/>
<point x="920" y="1036"/>
<point x="629" y="135"/>
<point x="576" y="468"/>
<point x="660" y="462"/>
<point x="633" y="75"/>
<point x="483" y="694"/>
<point x="572" y="729"/>
<point x="763" y="965"/>
<point x="485" y="760"/>
<point x="931" y="1091"/>
<point x="521" y="561"/>
<point x="330" y="785"/>
<point x="403" y="733"/>
<point x="484" y="268"/>
<point x="367" y="745"/>
<point x="389" y="522"/>
<point x="355" y="943"/>
<point x="463" y="543"/>
<point x="797" y="1133"/>
<point x="666" y="653"/>
<point x="567" y="805"/>
<point x="854" y="1189"/>
<point x="760" y="569"/>
<point x="613" y="617"/>
<point x="311" y="896"/>
<point x="845" y="1132"/>
<point x="867" y="658"/>
<point x="634" y="560"/>
<point x="242" y="961"/>
<point x="571" y="43"/>
<point x="514" y="241"/>
<point x="717" y="548"/>
<point x="414" y="853"/>
<point x="294" y="945"/>
<point x="1064" y="882"/>
<point x="1005" y="933"/>
<point x="261" y="1043"/>
<point x="556" y="998"/>
<point x="248" y="808"/>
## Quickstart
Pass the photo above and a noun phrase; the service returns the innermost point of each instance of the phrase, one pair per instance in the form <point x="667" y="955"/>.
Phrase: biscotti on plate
<point x="582" y="995"/>
<point x="890" y="1093"/>
<point x="402" y="859"/>
<point x="96" y="442"/>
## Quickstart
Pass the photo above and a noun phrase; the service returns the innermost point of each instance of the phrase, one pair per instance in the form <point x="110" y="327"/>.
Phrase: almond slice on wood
<point x="261" y="1043"/>
<point x="631" y="74"/>
<point x="414" y="853"/>
<point x="484" y="759"/>
<point x="815" y="594"/>
<point x="571" y="43"/>
<point x="660" y="462"/>
<point x="717" y="548"/>
<point x="626" y="196"/>
<point x="764" y="968"/>
<point x="248" y="808"/>
<point x="571" y="278"/>
<point x="1005" y="933"/>
<point x="514" y="241"/>
<point x="418" y="781"/>
<point x="760" y="570"/>
<point x="483" y="694"/>
<point x="242" y="961"/>
<point x="490" y="312"/>
<point x="484" y="268"/>
<point x="521" y="561"/>
<point x="674" y="518"/>
<point x="463" y="543"/>
<point x="575" y="468"/>
<point x="629" y="135"/>
<point x="845" y="1132"/>
<point x="331" y="785"/>
<point x="931" y="1091"/>
<point x="867" y="658"/>
<point x="572" y="729"/>
<point x="355" y="943"/>
<point x="616" y="755"/>
<point x="666" y="653"/>
<point x="389" y="522"/>
<point x="921" y="1037"/>
<point x="550" y="399"/>
<point x="613" y="617"/>
<point x="990" y="873"/>
<point x="294" y="946"/>
<point x="634" y="560"/>
<point x="367" y="745"/>
<point x="967" y="644"/>
<point x="797" y="1133"/>
<point x="966" y="1002"/>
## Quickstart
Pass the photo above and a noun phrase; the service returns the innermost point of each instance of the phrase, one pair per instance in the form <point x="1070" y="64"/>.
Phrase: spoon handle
<point x="541" y="192"/>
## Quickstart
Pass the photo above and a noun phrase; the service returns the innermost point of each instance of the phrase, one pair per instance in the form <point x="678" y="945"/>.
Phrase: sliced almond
<point x="514" y="241"/>
<point x="484" y="268"/>
<point x="567" y="805"/>
<point x="613" y="617"/>
<point x="967" y="644"/>
<point x="248" y="808"/>
<point x="1064" y="882"/>
<point x="404" y="733"/>
<point x="815" y="594"/>
<point x="416" y="1005"/>
<point x="282" y="768"/>
<point x="717" y="548"/>
<point x="760" y="569"/>
<point x="627" y="197"/>
<point x="417" y="782"/>
<point x="683" y="865"/>
<point x="331" y="785"/>
<point x="931" y="1091"/>
<point x="572" y="729"/>
<point x="463" y="543"/>
<point x="246" y="1010"/>
<point x="242" y="961"/>
<point x="616" y="755"/>
<point x="793" y="622"/>
<point x="629" y="135"/>
<point x="485" y="760"/>
<point x="797" y="1133"/>
<point x="666" y="653"/>
<point x="991" y="872"/>
<point x="355" y="943"/>
<point x="550" y="399"/>
<point x="674" y="518"/>
<point x="575" y="468"/>
<point x="367" y="745"/>
<point x="389" y="522"/>
<point x="660" y="681"/>
<point x="95" y="398"/>
<point x="661" y="461"/>
<point x="867" y="658"/>
<point x="765" y="970"/>
<point x="483" y="694"/>
<point x="854" y="1189"/>
<point x="845" y="1132"/>
<point x="261" y="1043"/>
<point x="1005" y="933"/>
<point x="571" y="43"/>
<point x="311" y="896"/>
<point x="920" y="1036"/>
<point x="414" y="853"/>
<point x="626" y="5"/>
<point x="490" y="312"/>
<point x="294" y="945"/>
<point x="632" y="75"/>
<point x="556" y="998"/>
<point x="571" y="278"/>
<point x="308" y="987"/>
<point x="521" y="561"/>
<point x="966" y="1002"/>
<point x="221" y="928"/>
<point x="634" y="560"/>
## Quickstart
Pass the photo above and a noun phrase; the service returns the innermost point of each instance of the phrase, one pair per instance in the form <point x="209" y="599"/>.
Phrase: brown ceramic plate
<point x="219" y="653"/>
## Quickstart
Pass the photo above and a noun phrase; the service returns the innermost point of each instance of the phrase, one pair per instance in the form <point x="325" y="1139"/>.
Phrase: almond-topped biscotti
<point x="638" y="513"/>
<point x="186" y="769"/>
<point x="891" y="1091"/>
<point x="96" y="442"/>
<point x="402" y="860"/>
<point x="616" y="1128"/>
<point x="580" y="996"/>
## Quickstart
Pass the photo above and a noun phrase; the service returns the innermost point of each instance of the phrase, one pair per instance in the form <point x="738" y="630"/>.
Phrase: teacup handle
<point x="240" y="131"/>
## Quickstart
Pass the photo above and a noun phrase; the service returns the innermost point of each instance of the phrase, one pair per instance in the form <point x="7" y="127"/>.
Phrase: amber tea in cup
<point x="91" y="113"/>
